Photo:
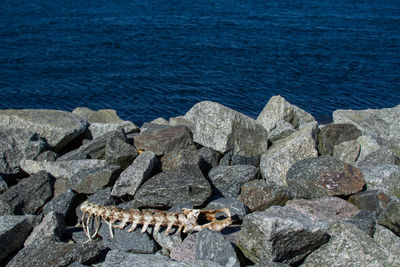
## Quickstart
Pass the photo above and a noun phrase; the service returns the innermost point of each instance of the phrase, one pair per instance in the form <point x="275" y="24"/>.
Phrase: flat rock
<point x="137" y="173"/>
<point x="229" y="179"/>
<point x="28" y="196"/>
<point x="334" y="134"/>
<point x="349" y="246"/>
<point x="224" y="129"/>
<point x="347" y="151"/>
<point x="280" y="234"/>
<point x="278" y="109"/>
<point x="259" y="196"/>
<point x="52" y="225"/>
<point x="97" y="116"/>
<point x="385" y="177"/>
<point x="173" y="187"/>
<point x="119" y="151"/>
<point x="181" y="158"/>
<point x="323" y="176"/>
<point x="56" y="126"/>
<point x="238" y="209"/>
<point x="373" y="200"/>
<point x="276" y="162"/>
<point x="13" y="232"/>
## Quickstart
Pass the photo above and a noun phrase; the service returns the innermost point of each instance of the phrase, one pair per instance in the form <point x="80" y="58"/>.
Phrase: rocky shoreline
<point x="300" y="194"/>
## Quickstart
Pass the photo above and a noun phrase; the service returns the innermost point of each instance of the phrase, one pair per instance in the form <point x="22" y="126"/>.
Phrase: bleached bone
<point x="186" y="220"/>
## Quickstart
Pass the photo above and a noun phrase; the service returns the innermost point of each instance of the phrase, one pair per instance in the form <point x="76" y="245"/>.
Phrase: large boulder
<point x="334" y="134"/>
<point x="276" y="162"/>
<point x="387" y="239"/>
<point x="223" y="129"/>
<point x="323" y="176"/>
<point x="385" y="177"/>
<point x="56" y="126"/>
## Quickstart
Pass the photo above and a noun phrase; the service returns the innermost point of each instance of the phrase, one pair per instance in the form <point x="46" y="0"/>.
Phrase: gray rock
<point x="49" y="252"/>
<point x="278" y="109"/>
<point x="119" y="151"/>
<point x="167" y="242"/>
<point x="231" y="158"/>
<point x="229" y="179"/>
<point x="62" y="204"/>
<point x="347" y="151"/>
<point x="180" y="120"/>
<point x="334" y="134"/>
<point x="116" y="258"/>
<point x="210" y="157"/>
<point x="3" y="185"/>
<point x="378" y="157"/>
<point x="16" y="145"/>
<point x="167" y="140"/>
<point x="135" y="175"/>
<point x="383" y="122"/>
<point x="390" y="218"/>
<point x="224" y="129"/>
<point x="270" y="264"/>
<point x="385" y="177"/>
<point x="149" y="127"/>
<point x="52" y="225"/>
<point x="365" y="220"/>
<point x="323" y="176"/>
<point x="97" y="130"/>
<point x="28" y="196"/>
<point x="47" y="156"/>
<point x="76" y="154"/>
<point x="13" y="232"/>
<point x="102" y="197"/>
<point x="160" y="121"/>
<point x="359" y="249"/>
<point x="276" y="162"/>
<point x="258" y="196"/>
<point x="180" y="206"/>
<point x="238" y="209"/>
<point x="174" y="186"/>
<point x="185" y="251"/>
<point x="280" y="234"/>
<point x="282" y="130"/>
<point x="181" y="158"/>
<point x="97" y="116"/>
<point x="373" y="200"/>
<point x="370" y="143"/>
<point x="387" y="239"/>
<point x="76" y="264"/>
<point x="212" y="246"/>
<point x="56" y="126"/>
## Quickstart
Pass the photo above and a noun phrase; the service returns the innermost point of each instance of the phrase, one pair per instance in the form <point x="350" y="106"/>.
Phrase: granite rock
<point x="52" y="225"/>
<point x="97" y="116"/>
<point x="149" y="127"/>
<point x="231" y="158"/>
<point x="181" y="158"/>
<point x="3" y="185"/>
<point x="97" y="130"/>
<point x="373" y="200"/>
<point x="390" y="217"/>
<point x="185" y="251"/>
<point x="238" y="209"/>
<point x="63" y="204"/>
<point x="387" y="239"/>
<point x="167" y="242"/>
<point x="119" y="151"/>
<point x="385" y="177"/>
<point x="365" y="220"/>
<point x="47" y="155"/>
<point x="210" y="158"/>
<point x="282" y="130"/>
<point x="334" y="134"/>
<point x="347" y="151"/>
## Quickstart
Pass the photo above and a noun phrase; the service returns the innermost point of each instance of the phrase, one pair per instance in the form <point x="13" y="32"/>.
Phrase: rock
<point x="282" y="130"/>
<point x="334" y="134"/>
<point x="116" y="258"/>
<point x="209" y="156"/>
<point x="13" y="232"/>
<point x="76" y="264"/>
<point x="347" y="151"/>
<point x="270" y="264"/>
<point x="3" y="185"/>
<point x="373" y="200"/>
<point x="102" y="197"/>
<point x="149" y="127"/>
<point x="327" y="209"/>
<point x="276" y="162"/>
<point x="136" y="174"/>
<point x="385" y="177"/>
<point x="259" y="196"/>
<point x="238" y="209"/>
<point x="365" y="221"/>
<point x="186" y="251"/>
<point x="229" y="179"/>
<point x="28" y="196"/>
<point x="280" y="234"/>
<point x="383" y="122"/>
<point x="16" y="145"/>
<point x="62" y="204"/>
<point x="181" y="158"/>
<point x="224" y="129"/>
<point x="278" y="109"/>
<point x="174" y="186"/>
<point x="76" y="154"/>
<point x="391" y="216"/>
<point x="180" y="120"/>
<point x="160" y="121"/>
<point x="97" y="116"/>
<point x="49" y="252"/>
<point x="97" y="130"/>
<point x="387" y="239"/>
<point x="370" y="143"/>
<point x="167" y="140"/>
<point x="378" y="157"/>
<point x="47" y="156"/>
<point x="323" y="176"/>
<point x="231" y="158"/>
<point x="52" y="225"/>
<point x="212" y="246"/>
<point x="56" y="126"/>
<point x="119" y="151"/>
<point x="349" y="246"/>
<point x="167" y="242"/>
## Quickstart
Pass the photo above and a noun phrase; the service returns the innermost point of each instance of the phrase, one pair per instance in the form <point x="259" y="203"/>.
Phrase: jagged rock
<point x="359" y="249"/>
<point x="334" y="134"/>
<point x="323" y="176"/>
<point x="378" y="157"/>
<point x="28" y="196"/>
<point x="62" y="204"/>
<point x="383" y="122"/>
<point x="149" y="127"/>
<point x="174" y="186"/>
<point x="276" y="162"/>
<point x="136" y="174"/>
<point x="258" y="196"/>
<point x="50" y="252"/>
<point x="185" y="251"/>
<point x="347" y="151"/>
<point x="97" y="116"/>
<point x="230" y="159"/>
<point x="365" y="220"/>
<point x="210" y="158"/>
<point x="387" y="239"/>
<point x="229" y="179"/>
<point x="167" y="140"/>
<point x="373" y="200"/>
<point x="52" y="225"/>
<point x="181" y="158"/>
<point x="3" y="185"/>
<point x="390" y="217"/>
<point x="160" y="121"/>
<point x="280" y="234"/>
<point x="97" y="130"/>
<point x="238" y="209"/>
<point x="47" y="156"/>
<point x="278" y="109"/>
<point x="16" y="145"/>
<point x="76" y="154"/>
<point x="56" y="126"/>
<point x="119" y="151"/>
<point x="370" y="143"/>
<point x="282" y="130"/>
<point x="167" y="242"/>
<point x="224" y="129"/>
<point x="385" y="177"/>
<point x="13" y="232"/>
<point x="180" y="120"/>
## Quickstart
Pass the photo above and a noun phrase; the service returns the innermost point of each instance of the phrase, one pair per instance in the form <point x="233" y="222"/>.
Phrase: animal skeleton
<point x="186" y="220"/>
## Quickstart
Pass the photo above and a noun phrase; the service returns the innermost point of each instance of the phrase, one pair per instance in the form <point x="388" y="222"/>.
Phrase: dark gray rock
<point x="167" y="242"/>
<point x="238" y="209"/>
<point x="365" y="220"/>
<point x="76" y="264"/>
<point x="323" y="176"/>
<point x="181" y="158"/>
<point x="210" y="157"/>
<point x="180" y="206"/>
<point x="373" y="200"/>
<point x="50" y="252"/>
<point x="119" y="151"/>
<point x="258" y="196"/>
<point x="385" y="177"/>
<point x="102" y="197"/>
<point x="52" y="225"/>
<point x="167" y="140"/>
<point x="229" y="179"/>
<point x="136" y="174"/>
<point x="334" y="134"/>
<point x="3" y="185"/>
<point x="149" y="127"/>
<point x="76" y="154"/>
<point x="16" y="145"/>
<point x="28" y="196"/>
<point x="62" y="203"/>
<point x="47" y="156"/>
<point x="116" y="258"/>
<point x="391" y="216"/>
<point x="56" y="126"/>
<point x="13" y="232"/>
<point x="280" y="234"/>
<point x="231" y="158"/>
<point x="173" y="187"/>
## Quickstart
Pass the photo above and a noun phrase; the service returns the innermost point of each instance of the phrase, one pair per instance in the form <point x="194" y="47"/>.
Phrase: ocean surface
<point x="157" y="58"/>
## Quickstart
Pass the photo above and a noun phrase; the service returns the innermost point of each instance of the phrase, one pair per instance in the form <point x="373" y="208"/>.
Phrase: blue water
<point x="157" y="58"/>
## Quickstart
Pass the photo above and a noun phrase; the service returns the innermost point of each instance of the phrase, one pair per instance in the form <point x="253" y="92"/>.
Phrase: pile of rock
<point x="300" y="193"/>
